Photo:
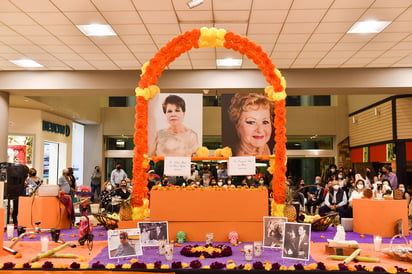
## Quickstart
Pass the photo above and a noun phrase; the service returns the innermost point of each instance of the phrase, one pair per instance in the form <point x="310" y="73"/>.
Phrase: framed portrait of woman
<point x="175" y="124"/>
<point x="247" y="124"/>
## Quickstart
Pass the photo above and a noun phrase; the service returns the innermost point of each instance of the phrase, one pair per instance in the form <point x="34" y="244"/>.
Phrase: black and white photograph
<point x="124" y="243"/>
<point x="152" y="232"/>
<point x="273" y="231"/>
<point x="296" y="241"/>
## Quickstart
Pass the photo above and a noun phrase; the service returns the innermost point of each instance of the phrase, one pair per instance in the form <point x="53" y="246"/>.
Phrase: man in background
<point x="96" y="182"/>
<point x="387" y="174"/>
<point x="118" y="174"/>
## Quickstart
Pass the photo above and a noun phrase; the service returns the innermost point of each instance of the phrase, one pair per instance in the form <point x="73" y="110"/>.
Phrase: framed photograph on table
<point x="273" y="230"/>
<point x="124" y="243"/>
<point x="153" y="232"/>
<point x="296" y="241"/>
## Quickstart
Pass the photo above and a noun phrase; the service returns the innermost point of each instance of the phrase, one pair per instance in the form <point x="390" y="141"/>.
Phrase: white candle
<point x="10" y="231"/>
<point x="44" y="240"/>
<point x="377" y="242"/>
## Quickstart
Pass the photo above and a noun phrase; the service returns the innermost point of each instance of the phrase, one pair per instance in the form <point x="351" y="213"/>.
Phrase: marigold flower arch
<point x="152" y="70"/>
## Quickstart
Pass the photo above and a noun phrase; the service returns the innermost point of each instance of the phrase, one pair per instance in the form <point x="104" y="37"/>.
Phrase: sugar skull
<point x="181" y="237"/>
<point x="233" y="237"/>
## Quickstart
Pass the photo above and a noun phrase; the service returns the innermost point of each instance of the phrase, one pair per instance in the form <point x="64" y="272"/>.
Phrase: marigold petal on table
<point x="231" y="266"/>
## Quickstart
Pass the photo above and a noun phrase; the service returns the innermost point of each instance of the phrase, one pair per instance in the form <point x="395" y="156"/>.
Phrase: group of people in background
<point x="335" y="192"/>
<point x="340" y="189"/>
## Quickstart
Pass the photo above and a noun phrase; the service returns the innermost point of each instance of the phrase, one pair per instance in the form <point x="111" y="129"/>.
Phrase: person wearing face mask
<point x="95" y="182"/>
<point x="117" y="175"/>
<point x="212" y="182"/>
<point x="405" y="195"/>
<point x="315" y="197"/>
<point x="165" y="180"/>
<point x="249" y="180"/>
<point x="105" y="198"/>
<point x="387" y="174"/>
<point x="261" y="182"/>
<point x="341" y="179"/>
<point x="122" y="192"/>
<point x="336" y="200"/>
<point x="357" y="193"/>
<point x="386" y="188"/>
<point x="332" y="171"/>
<point x="229" y="183"/>
<point x="220" y="182"/>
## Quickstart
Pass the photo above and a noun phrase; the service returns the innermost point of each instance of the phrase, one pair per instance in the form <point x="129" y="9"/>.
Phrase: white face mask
<point x="229" y="182"/>
<point x="198" y="183"/>
<point x="340" y="176"/>
<point x="261" y="182"/>
<point x="219" y="183"/>
<point x="360" y="186"/>
<point x="317" y="182"/>
<point x="403" y="190"/>
<point x="108" y="188"/>
<point x="249" y="177"/>
<point x="336" y="187"/>
<point x="332" y="170"/>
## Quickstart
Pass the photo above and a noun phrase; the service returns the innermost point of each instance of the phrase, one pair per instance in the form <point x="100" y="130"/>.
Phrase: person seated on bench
<point x="335" y="200"/>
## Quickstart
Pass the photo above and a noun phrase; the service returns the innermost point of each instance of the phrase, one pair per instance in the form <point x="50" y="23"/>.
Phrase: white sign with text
<point x="241" y="165"/>
<point x="177" y="166"/>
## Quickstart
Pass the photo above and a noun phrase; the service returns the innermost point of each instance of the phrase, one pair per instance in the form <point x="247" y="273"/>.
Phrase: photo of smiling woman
<point x="252" y="116"/>
<point x="176" y="139"/>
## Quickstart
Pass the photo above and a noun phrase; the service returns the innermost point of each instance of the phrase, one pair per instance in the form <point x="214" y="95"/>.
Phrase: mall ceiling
<point x="295" y="33"/>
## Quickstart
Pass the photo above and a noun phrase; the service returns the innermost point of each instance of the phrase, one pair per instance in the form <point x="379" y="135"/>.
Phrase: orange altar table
<point x="198" y="212"/>
<point x="379" y="217"/>
<point x="49" y="211"/>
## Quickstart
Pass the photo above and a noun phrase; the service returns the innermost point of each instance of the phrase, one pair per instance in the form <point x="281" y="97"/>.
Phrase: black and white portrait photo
<point x="273" y="231"/>
<point x="296" y="241"/>
<point x="153" y="232"/>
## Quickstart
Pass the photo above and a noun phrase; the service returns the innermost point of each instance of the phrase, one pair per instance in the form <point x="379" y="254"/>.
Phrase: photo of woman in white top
<point x="176" y="139"/>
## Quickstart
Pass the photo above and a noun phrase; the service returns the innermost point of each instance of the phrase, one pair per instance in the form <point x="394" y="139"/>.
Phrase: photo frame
<point x="152" y="232"/>
<point x="273" y="231"/>
<point x="159" y="141"/>
<point x="296" y="241"/>
<point x="124" y="243"/>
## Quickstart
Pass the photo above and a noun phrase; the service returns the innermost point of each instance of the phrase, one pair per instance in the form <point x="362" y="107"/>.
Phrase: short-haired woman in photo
<point x="177" y="139"/>
<point x="252" y="115"/>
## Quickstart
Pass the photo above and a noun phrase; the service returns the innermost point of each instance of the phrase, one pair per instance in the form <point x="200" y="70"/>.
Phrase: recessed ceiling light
<point x="228" y="62"/>
<point x="194" y="3"/>
<point x="26" y="63"/>
<point x="96" y="30"/>
<point x="371" y="26"/>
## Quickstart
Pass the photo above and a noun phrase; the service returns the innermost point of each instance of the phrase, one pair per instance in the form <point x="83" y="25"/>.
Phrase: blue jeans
<point x="95" y="189"/>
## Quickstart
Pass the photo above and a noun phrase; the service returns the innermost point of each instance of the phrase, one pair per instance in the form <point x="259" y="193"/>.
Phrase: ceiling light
<point x="96" y="30"/>
<point x="371" y="26"/>
<point x="228" y="62"/>
<point x="194" y="3"/>
<point x="26" y="63"/>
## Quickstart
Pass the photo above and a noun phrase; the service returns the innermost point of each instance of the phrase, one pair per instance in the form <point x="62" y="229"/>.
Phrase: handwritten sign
<point x="242" y="165"/>
<point x="177" y="166"/>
